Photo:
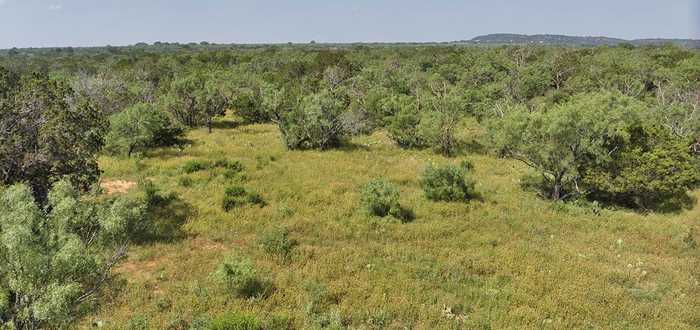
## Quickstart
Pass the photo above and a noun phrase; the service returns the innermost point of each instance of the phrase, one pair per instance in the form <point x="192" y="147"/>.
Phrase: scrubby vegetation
<point x="255" y="187"/>
<point x="447" y="183"/>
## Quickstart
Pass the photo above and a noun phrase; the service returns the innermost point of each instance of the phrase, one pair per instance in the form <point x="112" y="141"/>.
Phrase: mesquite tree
<point x="54" y="259"/>
<point x="47" y="131"/>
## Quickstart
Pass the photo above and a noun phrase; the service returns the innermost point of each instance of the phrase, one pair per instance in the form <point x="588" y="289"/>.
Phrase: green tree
<point x="652" y="170"/>
<point x="56" y="259"/>
<point x="196" y="98"/>
<point x="48" y="132"/>
<point x="558" y="141"/>
<point x="439" y="124"/>
<point x="140" y="127"/>
<point x="315" y="123"/>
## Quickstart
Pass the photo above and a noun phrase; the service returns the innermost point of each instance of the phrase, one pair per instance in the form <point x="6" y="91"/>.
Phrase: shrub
<point x="440" y="121"/>
<point x="229" y="165"/>
<point x="651" y="172"/>
<point x="447" y="183"/>
<point x="277" y="242"/>
<point x="235" y="321"/>
<point x="255" y="199"/>
<point x="152" y="194"/>
<point x="404" y="129"/>
<point x="248" y="104"/>
<point x="380" y="198"/>
<point x="232" y="168"/>
<point x="236" y="196"/>
<point x="195" y="165"/>
<point x="51" y="256"/>
<point x="239" y="278"/>
<point x="233" y="197"/>
<point x="313" y="124"/>
<point x="138" y="128"/>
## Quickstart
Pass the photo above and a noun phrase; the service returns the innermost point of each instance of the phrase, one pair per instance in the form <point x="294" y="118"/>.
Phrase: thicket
<point x="615" y="125"/>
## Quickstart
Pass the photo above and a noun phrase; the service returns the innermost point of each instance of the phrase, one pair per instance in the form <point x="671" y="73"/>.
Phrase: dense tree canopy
<point x="48" y="131"/>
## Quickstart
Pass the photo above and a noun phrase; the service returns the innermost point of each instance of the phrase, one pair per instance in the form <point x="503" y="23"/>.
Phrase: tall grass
<point x="506" y="260"/>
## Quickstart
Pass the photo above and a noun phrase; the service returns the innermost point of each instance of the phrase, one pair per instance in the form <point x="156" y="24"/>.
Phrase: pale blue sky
<point x="45" y="23"/>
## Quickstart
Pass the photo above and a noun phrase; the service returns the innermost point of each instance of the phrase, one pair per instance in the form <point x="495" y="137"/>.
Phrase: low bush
<point x="185" y="181"/>
<point x="233" y="197"/>
<point x="404" y="128"/>
<point x="239" y="278"/>
<point x="235" y="165"/>
<point x="379" y="198"/>
<point x="255" y="198"/>
<point x="195" y="165"/>
<point x="277" y="242"/>
<point x="447" y="183"/>
<point x="236" y="196"/>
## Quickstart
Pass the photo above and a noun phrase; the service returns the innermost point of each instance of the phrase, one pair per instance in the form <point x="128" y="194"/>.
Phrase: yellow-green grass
<point x="506" y="260"/>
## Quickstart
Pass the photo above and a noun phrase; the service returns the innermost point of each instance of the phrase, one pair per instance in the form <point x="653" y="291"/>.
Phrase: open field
<point x="507" y="259"/>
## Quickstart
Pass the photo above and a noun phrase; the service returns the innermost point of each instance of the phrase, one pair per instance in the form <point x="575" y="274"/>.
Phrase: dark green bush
<point x="233" y="197"/>
<point x="255" y="198"/>
<point x="248" y="104"/>
<point x="404" y="129"/>
<point x="185" y="181"/>
<point x="236" y="196"/>
<point x="447" y="183"/>
<point x="229" y="165"/>
<point x="379" y="197"/>
<point x="195" y="165"/>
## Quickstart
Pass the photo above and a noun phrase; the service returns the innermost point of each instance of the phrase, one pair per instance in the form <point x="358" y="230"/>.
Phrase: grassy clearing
<point x="506" y="260"/>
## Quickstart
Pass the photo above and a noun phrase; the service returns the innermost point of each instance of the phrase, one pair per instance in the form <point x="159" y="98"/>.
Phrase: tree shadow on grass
<point x="468" y="147"/>
<point x="643" y="203"/>
<point x="671" y="204"/>
<point x="350" y="146"/>
<point x="165" y="217"/>
<point x="225" y="124"/>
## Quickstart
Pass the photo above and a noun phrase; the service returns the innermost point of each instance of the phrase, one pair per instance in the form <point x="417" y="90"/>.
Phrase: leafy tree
<point x="651" y="171"/>
<point x="600" y="145"/>
<point x="48" y="132"/>
<point x="404" y="127"/>
<point x="54" y="260"/>
<point x="108" y="93"/>
<point x="140" y="127"/>
<point x="441" y="120"/>
<point x="314" y="124"/>
<point x="196" y="98"/>
<point x="558" y="141"/>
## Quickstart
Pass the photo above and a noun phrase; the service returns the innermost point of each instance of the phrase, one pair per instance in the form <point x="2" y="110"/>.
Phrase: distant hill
<point x="563" y="40"/>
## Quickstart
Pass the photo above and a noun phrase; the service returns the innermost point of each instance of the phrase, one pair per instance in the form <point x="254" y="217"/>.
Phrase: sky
<point x="58" y="23"/>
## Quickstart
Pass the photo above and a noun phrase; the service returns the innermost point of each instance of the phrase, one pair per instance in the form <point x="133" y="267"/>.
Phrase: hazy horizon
<point x="84" y="23"/>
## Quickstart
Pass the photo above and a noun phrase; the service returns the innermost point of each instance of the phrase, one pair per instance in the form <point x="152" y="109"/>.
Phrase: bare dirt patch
<point x="117" y="186"/>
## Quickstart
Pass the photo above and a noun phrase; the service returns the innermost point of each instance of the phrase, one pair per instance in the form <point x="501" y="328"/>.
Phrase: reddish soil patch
<point x="117" y="186"/>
